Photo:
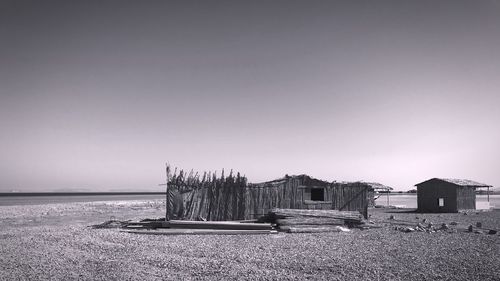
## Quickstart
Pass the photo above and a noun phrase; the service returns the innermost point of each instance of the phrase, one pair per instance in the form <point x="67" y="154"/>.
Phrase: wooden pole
<point x="167" y="171"/>
<point x="387" y="198"/>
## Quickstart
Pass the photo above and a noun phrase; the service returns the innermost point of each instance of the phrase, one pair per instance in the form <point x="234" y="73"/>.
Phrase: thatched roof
<point x="310" y="181"/>
<point x="379" y="186"/>
<point x="372" y="185"/>
<point x="305" y="179"/>
<point x="458" y="182"/>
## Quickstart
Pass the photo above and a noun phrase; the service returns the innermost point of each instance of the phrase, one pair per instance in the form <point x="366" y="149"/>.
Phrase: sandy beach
<point x="53" y="241"/>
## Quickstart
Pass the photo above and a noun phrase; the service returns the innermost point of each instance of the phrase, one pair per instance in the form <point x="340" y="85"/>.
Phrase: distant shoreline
<point x="20" y="194"/>
<point x="12" y="194"/>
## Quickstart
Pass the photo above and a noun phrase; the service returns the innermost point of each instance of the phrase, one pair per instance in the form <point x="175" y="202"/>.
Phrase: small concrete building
<point x="447" y="195"/>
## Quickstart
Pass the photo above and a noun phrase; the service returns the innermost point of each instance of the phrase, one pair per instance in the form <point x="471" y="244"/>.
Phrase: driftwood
<point x="298" y="221"/>
<point x="313" y="229"/>
<point x="111" y="224"/>
<point x="333" y="214"/>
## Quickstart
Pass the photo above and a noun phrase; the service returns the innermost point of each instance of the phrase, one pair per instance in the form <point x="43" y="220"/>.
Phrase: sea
<point x="65" y="198"/>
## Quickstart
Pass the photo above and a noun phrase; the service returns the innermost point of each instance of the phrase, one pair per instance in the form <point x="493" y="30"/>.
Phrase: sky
<point x="99" y="95"/>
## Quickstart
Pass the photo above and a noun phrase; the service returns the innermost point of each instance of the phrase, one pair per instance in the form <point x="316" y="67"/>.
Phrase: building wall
<point x="214" y="199"/>
<point x="295" y="193"/>
<point x="237" y="201"/>
<point x="466" y="198"/>
<point x="428" y="194"/>
<point x="371" y="198"/>
<point x="350" y="197"/>
<point x="287" y="193"/>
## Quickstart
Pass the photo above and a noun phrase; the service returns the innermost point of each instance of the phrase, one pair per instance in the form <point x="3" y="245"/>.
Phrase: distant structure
<point x="374" y="192"/>
<point x="439" y="195"/>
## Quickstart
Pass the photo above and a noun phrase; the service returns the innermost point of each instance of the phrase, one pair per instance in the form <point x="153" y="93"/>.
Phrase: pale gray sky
<point x="99" y="95"/>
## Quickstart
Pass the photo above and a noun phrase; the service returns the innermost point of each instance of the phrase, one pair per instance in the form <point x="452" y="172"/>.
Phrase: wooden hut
<point x="231" y="198"/>
<point x="305" y="192"/>
<point x="439" y="195"/>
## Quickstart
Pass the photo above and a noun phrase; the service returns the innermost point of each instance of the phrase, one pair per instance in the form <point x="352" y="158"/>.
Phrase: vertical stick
<point x="365" y="207"/>
<point x="167" y="202"/>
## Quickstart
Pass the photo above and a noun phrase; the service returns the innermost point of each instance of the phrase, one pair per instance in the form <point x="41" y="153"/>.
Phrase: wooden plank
<point x="309" y="221"/>
<point x="352" y="215"/>
<point x="200" y="232"/>
<point x="215" y="225"/>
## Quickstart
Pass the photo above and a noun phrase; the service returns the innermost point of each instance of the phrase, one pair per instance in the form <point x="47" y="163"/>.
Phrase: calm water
<point x="39" y="200"/>
<point x="410" y="200"/>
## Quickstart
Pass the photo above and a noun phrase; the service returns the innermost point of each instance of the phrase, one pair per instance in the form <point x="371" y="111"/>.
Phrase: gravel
<point x="54" y="242"/>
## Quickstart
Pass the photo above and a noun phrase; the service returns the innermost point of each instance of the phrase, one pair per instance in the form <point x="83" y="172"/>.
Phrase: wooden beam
<point x="200" y="232"/>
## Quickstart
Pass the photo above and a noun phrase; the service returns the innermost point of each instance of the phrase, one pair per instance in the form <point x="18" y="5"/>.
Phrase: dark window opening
<point x="317" y="194"/>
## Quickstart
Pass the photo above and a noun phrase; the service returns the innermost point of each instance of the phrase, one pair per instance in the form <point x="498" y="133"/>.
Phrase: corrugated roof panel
<point x="459" y="182"/>
<point x="464" y="182"/>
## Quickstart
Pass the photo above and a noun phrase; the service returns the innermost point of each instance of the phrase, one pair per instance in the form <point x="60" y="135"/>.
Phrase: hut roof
<point x="305" y="178"/>
<point x="458" y="182"/>
<point x="379" y="186"/>
<point x="372" y="185"/>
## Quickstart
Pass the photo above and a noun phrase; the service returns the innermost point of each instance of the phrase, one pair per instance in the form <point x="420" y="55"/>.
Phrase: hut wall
<point x="466" y="198"/>
<point x="370" y="195"/>
<point x="350" y="197"/>
<point x="261" y="198"/>
<point x="212" y="199"/>
<point x="429" y="193"/>
<point x="233" y="199"/>
<point x="294" y="193"/>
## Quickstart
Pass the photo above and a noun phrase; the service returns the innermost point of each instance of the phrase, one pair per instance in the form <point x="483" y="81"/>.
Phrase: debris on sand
<point x="312" y="221"/>
<point x="176" y="227"/>
<point x="444" y="226"/>
<point x="111" y="224"/>
<point x="429" y="228"/>
<point x="404" y="229"/>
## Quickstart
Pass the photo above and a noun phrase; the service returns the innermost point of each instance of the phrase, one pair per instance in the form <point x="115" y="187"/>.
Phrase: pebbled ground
<point x="54" y="242"/>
